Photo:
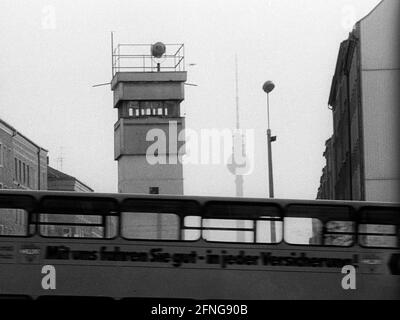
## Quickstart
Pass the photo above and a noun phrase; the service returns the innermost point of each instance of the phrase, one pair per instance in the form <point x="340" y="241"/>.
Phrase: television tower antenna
<point x="238" y="177"/>
<point x="238" y="146"/>
<point x="237" y="93"/>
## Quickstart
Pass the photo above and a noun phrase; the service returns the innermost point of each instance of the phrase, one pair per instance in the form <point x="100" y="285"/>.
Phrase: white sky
<point x="52" y="52"/>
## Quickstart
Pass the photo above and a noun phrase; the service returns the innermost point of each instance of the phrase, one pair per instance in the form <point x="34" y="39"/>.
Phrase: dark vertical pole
<point x="270" y="172"/>
<point x="39" y="173"/>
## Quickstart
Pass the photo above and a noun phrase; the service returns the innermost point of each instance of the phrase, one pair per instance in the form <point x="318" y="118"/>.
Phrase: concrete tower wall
<point x="149" y="117"/>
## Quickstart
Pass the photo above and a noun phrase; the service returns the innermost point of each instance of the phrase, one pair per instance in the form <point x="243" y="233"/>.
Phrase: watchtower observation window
<point x="145" y="109"/>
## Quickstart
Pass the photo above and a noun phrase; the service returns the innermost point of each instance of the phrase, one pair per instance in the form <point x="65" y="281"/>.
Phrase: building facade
<point x="23" y="165"/>
<point x="362" y="156"/>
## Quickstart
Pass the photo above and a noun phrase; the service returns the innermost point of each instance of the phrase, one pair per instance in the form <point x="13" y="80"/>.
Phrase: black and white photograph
<point x="199" y="158"/>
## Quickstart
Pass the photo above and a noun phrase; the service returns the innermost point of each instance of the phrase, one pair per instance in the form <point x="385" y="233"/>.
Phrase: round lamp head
<point x="158" y="49"/>
<point x="268" y="86"/>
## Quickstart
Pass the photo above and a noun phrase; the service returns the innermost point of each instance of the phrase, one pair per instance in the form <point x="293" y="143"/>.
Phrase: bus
<point x="121" y="246"/>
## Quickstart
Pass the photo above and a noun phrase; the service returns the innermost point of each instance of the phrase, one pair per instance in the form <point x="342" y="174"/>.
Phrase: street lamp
<point x="268" y="87"/>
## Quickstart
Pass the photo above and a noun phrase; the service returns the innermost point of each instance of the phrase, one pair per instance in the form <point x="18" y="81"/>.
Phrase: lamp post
<point x="268" y="87"/>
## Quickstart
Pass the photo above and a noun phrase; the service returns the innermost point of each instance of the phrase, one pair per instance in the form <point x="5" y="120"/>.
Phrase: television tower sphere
<point x="158" y="49"/>
<point x="268" y="86"/>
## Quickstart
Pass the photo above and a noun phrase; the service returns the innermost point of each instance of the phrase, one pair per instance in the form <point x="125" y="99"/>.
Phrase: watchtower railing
<point x="138" y="58"/>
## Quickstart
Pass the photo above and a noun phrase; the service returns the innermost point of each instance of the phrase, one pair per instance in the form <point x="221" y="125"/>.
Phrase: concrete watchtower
<point x="148" y="85"/>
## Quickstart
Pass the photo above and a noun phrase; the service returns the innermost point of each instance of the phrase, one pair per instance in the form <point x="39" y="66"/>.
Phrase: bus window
<point x="377" y="235"/>
<point x="150" y="226"/>
<point x="156" y="219"/>
<point x="242" y="221"/>
<point x="269" y="230"/>
<point x="13" y="222"/>
<point x="76" y="217"/>
<point x="339" y="233"/>
<point x="319" y="225"/>
<point x="300" y="231"/>
<point x="223" y="230"/>
<point x="379" y="227"/>
<point x="111" y="227"/>
<point x="191" y="228"/>
<point x="71" y="226"/>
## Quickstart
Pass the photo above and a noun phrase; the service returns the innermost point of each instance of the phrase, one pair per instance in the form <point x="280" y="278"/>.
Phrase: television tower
<point x="238" y="145"/>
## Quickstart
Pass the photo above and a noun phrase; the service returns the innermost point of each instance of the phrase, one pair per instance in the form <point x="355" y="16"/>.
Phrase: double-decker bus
<point x="123" y="246"/>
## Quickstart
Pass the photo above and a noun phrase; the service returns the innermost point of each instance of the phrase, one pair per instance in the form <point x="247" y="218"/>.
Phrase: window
<point x="130" y="112"/>
<point x="339" y="233"/>
<point x="269" y="230"/>
<point x="28" y="174"/>
<point x="242" y="222"/>
<point x="83" y="217"/>
<point x="319" y="225"/>
<point x="19" y="171"/>
<point x="300" y="230"/>
<point x="14" y="221"/>
<point x="71" y="226"/>
<point x="15" y="169"/>
<point x="191" y="228"/>
<point x="154" y="190"/>
<point x="150" y="226"/>
<point x="156" y="219"/>
<point x="378" y="235"/>
<point x="24" y="173"/>
<point x="379" y="227"/>
<point x="224" y="230"/>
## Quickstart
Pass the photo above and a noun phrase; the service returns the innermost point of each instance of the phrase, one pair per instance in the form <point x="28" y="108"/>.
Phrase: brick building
<point x="23" y="165"/>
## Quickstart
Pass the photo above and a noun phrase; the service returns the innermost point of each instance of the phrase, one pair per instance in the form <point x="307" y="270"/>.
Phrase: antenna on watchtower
<point x="112" y="63"/>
